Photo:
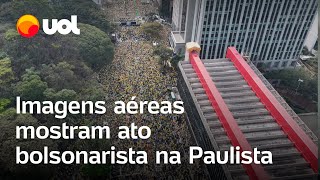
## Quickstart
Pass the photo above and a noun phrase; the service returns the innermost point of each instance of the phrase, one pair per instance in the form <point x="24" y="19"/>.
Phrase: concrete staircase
<point x="254" y="120"/>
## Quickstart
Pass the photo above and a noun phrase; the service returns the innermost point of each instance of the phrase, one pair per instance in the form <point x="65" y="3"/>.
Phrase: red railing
<point x="302" y="141"/>
<point x="226" y="118"/>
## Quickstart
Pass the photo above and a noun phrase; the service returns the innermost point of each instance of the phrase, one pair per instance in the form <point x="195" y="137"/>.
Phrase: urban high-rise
<point x="270" y="32"/>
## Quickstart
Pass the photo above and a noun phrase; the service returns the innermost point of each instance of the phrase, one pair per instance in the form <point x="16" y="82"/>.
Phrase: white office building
<point x="270" y="32"/>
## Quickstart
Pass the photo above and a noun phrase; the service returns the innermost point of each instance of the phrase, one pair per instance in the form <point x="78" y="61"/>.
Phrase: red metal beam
<point x="226" y="118"/>
<point x="302" y="141"/>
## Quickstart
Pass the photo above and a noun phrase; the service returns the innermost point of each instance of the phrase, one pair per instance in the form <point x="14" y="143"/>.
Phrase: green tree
<point x="163" y="52"/>
<point x="176" y="59"/>
<point x="8" y="123"/>
<point x="153" y="30"/>
<point x="31" y="87"/>
<point x="63" y="95"/>
<point x="3" y="104"/>
<point x="6" y="78"/>
<point x="6" y="73"/>
<point x="289" y="79"/>
<point x="6" y="14"/>
<point x="60" y="76"/>
<point x="92" y="93"/>
<point x="94" y="46"/>
<point x="41" y="49"/>
<point x="39" y="8"/>
<point x="87" y="11"/>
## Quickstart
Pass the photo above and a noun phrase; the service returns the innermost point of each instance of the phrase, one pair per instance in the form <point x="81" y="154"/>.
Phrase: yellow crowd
<point x="136" y="72"/>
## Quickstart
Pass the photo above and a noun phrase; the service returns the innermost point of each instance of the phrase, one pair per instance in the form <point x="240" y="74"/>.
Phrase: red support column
<point x="302" y="141"/>
<point x="226" y="118"/>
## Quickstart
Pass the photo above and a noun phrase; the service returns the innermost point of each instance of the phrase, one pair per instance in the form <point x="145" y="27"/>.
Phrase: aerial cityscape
<point x="245" y="70"/>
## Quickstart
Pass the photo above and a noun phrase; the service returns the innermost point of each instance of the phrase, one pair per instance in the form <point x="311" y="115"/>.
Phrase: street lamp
<point x="299" y="82"/>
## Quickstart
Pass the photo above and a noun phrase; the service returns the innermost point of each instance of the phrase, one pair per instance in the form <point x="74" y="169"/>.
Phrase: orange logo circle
<point x="28" y="26"/>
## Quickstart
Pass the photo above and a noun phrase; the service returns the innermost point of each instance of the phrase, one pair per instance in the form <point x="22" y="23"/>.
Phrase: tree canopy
<point x="55" y="68"/>
<point x="289" y="78"/>
<point x="152" y="29"/>
<point x="94" y="46"/>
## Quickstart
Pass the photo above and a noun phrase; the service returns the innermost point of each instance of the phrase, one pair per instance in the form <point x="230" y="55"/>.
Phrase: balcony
<point x="177" y="42"/>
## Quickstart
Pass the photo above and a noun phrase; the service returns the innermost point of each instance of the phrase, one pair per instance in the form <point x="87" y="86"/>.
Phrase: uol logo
<point x="28" y="26"/>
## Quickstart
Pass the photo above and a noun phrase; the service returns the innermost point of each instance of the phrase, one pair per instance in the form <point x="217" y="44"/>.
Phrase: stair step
<point x="266" y="137"/>
<point x="184" y="62"/>
<point x="231" y="83"/>
<point x="236" y="89"/>
<point x="218" y="131"/>
<point x="214" y="124"/>
<point x="209" y="61"/>
<point x="221" y="68"/>
<point x="196" y="85"/>
<point x="207" y="109"/>
<point x="247" y="106"/>
<point x="199" y="91"/>
<point x="241" y="100"/>
<point x="226" y="78"/>
<point x="218" y="64"/>
<point x="194" y="80"/>
<point x="237" y="94"/>
<point x="187" y="66"/>
<point x="256" y="112"/>
<point x="204" y="103"/>
<point x="271" y="142"/>
<point x="224" y="73"/>
<point x="189" y="70"/>
<point x="222" y="139"/>
<point x="255" y="120"/>
<point x="201" y="97"/>
<point x="272" y="146"/>
<point x="190" y="75"/>
<point x="211" y="116"/>
<point x="285" y="154"/>
<point x="259" y="129"/>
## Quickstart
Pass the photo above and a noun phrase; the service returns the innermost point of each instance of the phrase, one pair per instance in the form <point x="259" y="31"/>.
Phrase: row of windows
<point x="262" y="32"/>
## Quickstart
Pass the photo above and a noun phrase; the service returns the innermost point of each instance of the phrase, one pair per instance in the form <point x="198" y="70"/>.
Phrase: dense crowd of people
<point x="129" y="9"/>
<point x="135" y="71"/>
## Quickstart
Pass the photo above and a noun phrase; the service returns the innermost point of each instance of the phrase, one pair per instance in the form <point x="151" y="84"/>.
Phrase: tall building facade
<point x="311" y="41"/>
<point x="271" y="32"/>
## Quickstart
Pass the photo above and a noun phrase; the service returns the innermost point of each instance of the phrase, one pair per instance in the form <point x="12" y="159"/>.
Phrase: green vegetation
<point x="163" y="52"/>
<point x="166" y="54"/>
<point x="94" y="43"/>
<point x="152" y="30"/>
<point x="307" y="90"/>
<point x="52" y="68"/>
<point x="289" y="79"/>
<point x="87" y="12"/>
<point x="6" y="73"/>
<point x="311" y="63"/>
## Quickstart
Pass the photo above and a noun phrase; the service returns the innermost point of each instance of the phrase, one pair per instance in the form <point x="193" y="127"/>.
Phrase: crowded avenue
<point x="135" y="71"/>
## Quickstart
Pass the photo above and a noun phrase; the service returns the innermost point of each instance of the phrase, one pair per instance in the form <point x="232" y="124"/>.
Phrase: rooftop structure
<point x="229" y="103"/>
